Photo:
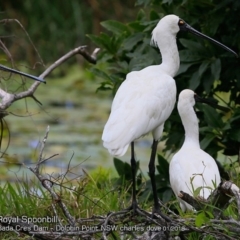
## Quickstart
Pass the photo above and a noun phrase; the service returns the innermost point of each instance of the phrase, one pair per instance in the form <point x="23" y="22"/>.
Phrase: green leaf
<point x="96" y="39"/>
<point x="207" y="140"/>
<point x="167" y="195"/>
<point x="197" y="191"/>
<point x="235" y="135"/>
<point x="106" y="39"/>
<point x="105" y="86"/>
<point x="209" y="214"/>
<point x="121" y="167"/>
<point x="191" y="45"/>
<point x="150" y="25"/>
<point x="212" y="117"/>
<point x="137" y="26"/>
<point x="216" y="68"/>
<point x="138" y="63"/>
<point x="124" y="65"/>
<point x="201" y="219"/>
<point x="154" y="15"/>
<point x="194" y="81"/>
<point x="207" y="81"/>
<point x="141" y="15"/>
<point x="115" y="27"/>
<point x="100" y="73"/>
<point x="184" y="67"/>
<point x="103" y="40"/>
<point x="227" y="126"/>
<point x="203" y="68"/>
<point x="189" y="56"/>
<point x="132" y="41"/>
<point x="124" y="169"/>
<point x="163" y="167"/>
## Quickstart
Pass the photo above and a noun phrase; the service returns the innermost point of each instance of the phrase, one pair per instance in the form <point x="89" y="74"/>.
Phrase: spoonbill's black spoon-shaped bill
<point x="145" y="100"/>
<point x="185" y="27"/>
<point x="7" y="69"/>
<point x="191" y="167"/>
<point x="211" y="103"/>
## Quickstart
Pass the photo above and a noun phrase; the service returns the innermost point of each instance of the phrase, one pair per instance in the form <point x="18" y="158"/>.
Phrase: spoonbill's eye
<point x="181" y="22"/>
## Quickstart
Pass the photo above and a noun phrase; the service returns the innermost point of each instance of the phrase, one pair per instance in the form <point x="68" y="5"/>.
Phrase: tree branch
<point x="47" y="184"/>
<point x="220" y="198"/>
<point x="8" y="99"/>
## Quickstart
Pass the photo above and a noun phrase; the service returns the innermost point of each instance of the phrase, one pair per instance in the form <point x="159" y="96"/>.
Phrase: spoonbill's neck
<point x="169" y="51"/>
<point x="190" y="123"/>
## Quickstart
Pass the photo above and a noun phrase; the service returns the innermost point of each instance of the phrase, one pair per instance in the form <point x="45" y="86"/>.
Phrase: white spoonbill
<point x="7" y="69"/>
<point x="145" y="100"/>
<point x="191" y="167"/>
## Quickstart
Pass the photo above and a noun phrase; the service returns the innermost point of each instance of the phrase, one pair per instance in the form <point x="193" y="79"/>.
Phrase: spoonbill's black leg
<point x="151" y="167"/>
<point x="134" y="170"/>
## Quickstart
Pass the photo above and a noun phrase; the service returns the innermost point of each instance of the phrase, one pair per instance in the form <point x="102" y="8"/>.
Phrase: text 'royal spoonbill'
<point x="145" y="100"/>
<point x="192" y="168"/>
<point x="7" y="69"/>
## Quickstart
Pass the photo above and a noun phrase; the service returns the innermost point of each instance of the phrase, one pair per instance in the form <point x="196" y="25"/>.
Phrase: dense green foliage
<point x="55" y="27"/>
<point x="205" y="68"/>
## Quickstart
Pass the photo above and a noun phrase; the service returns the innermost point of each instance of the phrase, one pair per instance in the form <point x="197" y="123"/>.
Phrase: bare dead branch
<point x="8" y="99"/>
<point x="190" y="200"/>
<point x="229" y="188"/>
<point x="79" y="50"/>
<point x="90" y="58"/>
<point x="48" y="184"/>
<point x="220" y="198"/>
<point x="42" y="148"/>
<point x="36" y="100"/>
<point x="4" y="48"/>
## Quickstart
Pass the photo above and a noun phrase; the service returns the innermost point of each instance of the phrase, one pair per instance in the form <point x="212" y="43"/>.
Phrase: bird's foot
<point x="157" y="213"/>
<point x="136" y="210"/>
<point x="133" y="207"/>
<point x="131" y="211"/>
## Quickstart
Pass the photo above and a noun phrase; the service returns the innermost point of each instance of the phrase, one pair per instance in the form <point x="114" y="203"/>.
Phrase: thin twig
<point x="4" y="21"/>
<point x="48" y="184"/>
<point x="8" y="99"/>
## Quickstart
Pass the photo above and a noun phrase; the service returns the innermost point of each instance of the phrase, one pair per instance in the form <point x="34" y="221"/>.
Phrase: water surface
<point x="76" y="114"/>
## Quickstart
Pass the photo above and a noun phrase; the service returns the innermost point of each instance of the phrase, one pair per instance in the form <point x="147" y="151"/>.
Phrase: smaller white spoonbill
<point x="7" y="69"/>
<point x="191" y="167"/>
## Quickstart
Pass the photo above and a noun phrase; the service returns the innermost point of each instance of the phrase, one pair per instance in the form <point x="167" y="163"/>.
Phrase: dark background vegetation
<point x="57" y="26"/>
<point x="205" y="68"/>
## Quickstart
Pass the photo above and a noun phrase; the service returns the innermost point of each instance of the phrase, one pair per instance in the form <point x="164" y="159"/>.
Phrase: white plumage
<point x="191" y="162"/>
<point x="135" y="109"/>
<point x="146" y="98"/>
